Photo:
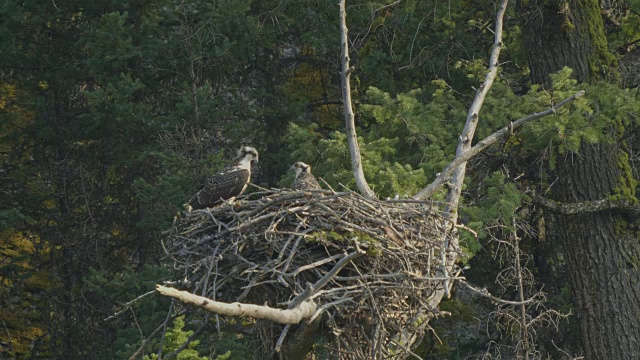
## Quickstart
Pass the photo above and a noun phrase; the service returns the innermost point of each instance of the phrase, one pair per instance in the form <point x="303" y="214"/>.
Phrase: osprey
<point x="304" y="179"/>
<point x="232" y="181"/>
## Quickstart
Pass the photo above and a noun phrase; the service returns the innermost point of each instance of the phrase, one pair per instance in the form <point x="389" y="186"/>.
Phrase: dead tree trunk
<point x="352" y="138"/>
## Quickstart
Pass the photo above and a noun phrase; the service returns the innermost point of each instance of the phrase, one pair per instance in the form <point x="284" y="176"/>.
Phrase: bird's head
<point x="300" y="167"/>
<point x="248" y="153"/>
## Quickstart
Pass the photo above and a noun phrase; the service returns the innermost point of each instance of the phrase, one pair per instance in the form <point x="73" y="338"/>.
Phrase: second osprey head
<point x="246" y="155"/>
<point x="304" y="179"/>
<point x="299" y="167"/>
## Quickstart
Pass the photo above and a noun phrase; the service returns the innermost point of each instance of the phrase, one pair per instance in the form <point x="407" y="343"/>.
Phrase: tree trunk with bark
<point x="559" y="33"/>
<point x="602" y="248"/>
<point x="602" y="251"/>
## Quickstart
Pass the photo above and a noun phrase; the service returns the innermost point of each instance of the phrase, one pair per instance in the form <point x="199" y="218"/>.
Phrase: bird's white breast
<point x="245" y="164"/>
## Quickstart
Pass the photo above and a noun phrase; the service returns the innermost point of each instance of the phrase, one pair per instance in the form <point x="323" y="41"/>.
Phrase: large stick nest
<point x="268" y="247"/>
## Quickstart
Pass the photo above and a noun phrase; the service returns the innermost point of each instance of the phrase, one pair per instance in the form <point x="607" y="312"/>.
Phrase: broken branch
<point x="279" y="316"/>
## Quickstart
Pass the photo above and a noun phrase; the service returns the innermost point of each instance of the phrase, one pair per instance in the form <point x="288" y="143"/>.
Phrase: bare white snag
<point x="453" y="196"/>
<point x="466" y="137"/>
<point x="352" y="138"/>
<point x="290" y="316"/>
<point x="450" y="254"/>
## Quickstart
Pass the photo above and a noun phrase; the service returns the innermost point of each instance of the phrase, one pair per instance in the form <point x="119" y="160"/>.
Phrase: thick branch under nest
<point x="370" y="266"/>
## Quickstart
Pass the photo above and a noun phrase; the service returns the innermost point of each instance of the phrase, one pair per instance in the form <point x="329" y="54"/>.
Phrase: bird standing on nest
<point x="304" y="178"/>
<point x="231" y="182"/>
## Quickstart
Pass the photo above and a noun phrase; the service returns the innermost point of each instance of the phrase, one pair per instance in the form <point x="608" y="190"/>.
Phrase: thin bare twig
<point x="164" y="331"/>
<point x="146" y="341"/>
<point x="312" y="288"/>
<point x="128" y="304"/>
<point x="9" y="338"/>
<point x="486" y="294"/>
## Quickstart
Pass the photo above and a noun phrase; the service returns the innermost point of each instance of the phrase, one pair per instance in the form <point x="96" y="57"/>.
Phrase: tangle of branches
<point x="369" y="266"/>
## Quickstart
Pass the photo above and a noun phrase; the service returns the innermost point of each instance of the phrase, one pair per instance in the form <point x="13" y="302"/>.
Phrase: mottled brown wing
<point x="220" y="187"/>
<point x="305" y="181"/>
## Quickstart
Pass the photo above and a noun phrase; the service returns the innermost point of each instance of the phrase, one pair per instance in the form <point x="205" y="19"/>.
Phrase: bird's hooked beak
<point x="254" y="156"/>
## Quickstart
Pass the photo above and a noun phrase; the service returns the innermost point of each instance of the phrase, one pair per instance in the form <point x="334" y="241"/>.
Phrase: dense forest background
<point x="113" y="112"/>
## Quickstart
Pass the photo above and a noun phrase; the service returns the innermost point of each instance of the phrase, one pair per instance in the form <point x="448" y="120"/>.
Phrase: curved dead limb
<point x="9" y="337"/>
<point x="279" y="316"/>
<point x="190" y="339"/>
<point x="486" y="142"/>
<point x="587" y="206"/>
<point x="164" y="331"/>
<point x="352" y="138"/>
<point x="301" y="339"/>
<point x="147" y="341"/>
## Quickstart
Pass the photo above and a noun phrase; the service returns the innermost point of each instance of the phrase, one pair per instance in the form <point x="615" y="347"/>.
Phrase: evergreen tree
<point x="113" y="112"/>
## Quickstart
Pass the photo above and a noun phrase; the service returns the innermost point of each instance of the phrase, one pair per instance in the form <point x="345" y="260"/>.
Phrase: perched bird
<point x="232" y="181"/>
<point x="304" y="179"/>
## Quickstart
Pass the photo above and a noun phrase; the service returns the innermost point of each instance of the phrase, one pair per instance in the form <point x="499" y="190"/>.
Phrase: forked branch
<point x="486" y="142"/>
<point x="466" y="137"/>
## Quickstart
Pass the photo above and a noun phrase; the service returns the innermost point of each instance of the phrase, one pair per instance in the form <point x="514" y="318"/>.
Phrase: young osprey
<point x="232" y="181"/>
<point x="304" y="179"/>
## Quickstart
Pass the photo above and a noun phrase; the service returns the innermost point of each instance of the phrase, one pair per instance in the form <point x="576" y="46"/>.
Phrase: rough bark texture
<point x="569" y="33"/>
<point x="603" y="256"/>
<point x="602" y="248"/>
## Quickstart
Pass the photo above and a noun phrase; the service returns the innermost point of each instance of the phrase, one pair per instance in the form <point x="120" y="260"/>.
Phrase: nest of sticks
<point x="373" y="264"/>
